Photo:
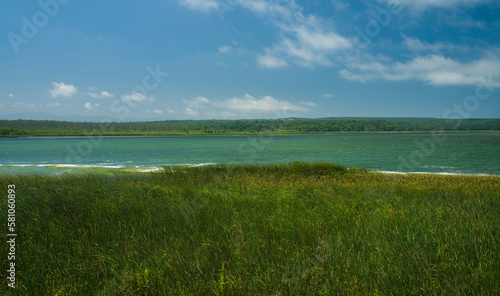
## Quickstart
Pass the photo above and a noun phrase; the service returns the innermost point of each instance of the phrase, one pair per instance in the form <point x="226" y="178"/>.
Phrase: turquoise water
<point x="477" y="153"/>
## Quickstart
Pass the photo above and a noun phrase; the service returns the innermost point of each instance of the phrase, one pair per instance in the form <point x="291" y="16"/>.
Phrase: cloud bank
<point x="432" y="69"/>
<point x="246" y="105"/>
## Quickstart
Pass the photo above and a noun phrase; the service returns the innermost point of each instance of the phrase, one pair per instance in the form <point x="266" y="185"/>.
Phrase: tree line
<point x="290" y="125"/>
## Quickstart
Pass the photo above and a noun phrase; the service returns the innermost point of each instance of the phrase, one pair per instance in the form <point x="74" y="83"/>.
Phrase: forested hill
<point x="285" y="126"/>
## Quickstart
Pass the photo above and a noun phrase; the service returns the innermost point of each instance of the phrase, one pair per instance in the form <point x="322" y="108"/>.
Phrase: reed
<point x="280" y="229"/>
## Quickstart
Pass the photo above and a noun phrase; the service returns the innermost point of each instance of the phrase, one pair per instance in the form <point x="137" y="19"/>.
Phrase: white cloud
<point x="62" y="90"/>
<point x="459" y="18"/>
<point x="11" y="96"/>
<point x="101" y="95"/>
<point x="171" y="111"/>
<point x="225" y="49"/>
<point x="197" y="102"/>
<point x="315" y="38"/>
<point x="261" y="7"/>
<point x="105" y="94"/>
<point x="327" y="96"/>
<point x="191" y="112"/>
<point x="268" y="60"/>
<point x="157" y="111"/>
<point x="305" y="41"/>
<point x="248" y="103"/>
<point x="309" y="104"/>
<point x="204" y="5"/>
<point x="246" y="106"/>
<point x="340" y="5"/>
<point x="233" y="48"/>
<point x="202" y="100"/>
<point x="433" y="69"/>
<point x="422" y="4"/>
<point x="136" y="97"/>
<point x="270" y="8"/>
<point x="415" y="44"/>
<point x="88" y="106"/>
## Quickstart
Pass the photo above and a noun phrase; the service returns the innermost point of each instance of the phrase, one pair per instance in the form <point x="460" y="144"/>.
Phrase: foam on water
<point x="434" y="173"/>
<point x="72" y="168"/>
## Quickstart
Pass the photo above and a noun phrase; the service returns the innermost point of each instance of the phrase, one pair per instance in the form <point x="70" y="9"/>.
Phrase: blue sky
<point x="234" y="59"/>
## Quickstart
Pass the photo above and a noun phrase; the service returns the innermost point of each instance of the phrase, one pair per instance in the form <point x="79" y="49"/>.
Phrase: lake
<point x="464" y="153"/>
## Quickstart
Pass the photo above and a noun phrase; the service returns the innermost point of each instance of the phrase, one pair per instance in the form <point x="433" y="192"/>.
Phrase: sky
<point x="250" y="59"/>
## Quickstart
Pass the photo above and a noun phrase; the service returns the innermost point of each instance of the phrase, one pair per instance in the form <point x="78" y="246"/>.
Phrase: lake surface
<point x="467" y="153"/>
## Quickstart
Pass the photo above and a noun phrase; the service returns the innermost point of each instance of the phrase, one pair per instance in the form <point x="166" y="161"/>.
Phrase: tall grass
<point x="290" y="229"/>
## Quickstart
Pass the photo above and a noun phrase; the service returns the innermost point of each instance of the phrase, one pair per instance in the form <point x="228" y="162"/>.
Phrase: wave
<point x="435" y="173"/>
<point x="62" y="167"/>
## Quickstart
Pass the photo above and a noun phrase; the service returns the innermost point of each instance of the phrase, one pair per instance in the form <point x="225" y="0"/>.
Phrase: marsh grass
<point x="282" y="229"/>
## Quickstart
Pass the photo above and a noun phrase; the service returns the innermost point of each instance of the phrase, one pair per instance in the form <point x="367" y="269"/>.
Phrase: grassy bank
<point x="298" y="229"/>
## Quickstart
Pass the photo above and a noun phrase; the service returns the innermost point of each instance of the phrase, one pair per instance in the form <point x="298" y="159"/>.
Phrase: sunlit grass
<point x="284" y="229"/>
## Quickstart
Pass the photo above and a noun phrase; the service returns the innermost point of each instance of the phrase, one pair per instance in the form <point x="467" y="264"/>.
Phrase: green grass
<point x="297" y="229"/>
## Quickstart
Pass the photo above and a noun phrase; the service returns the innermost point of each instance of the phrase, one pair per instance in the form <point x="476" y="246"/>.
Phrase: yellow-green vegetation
<point x="296" y="229"/>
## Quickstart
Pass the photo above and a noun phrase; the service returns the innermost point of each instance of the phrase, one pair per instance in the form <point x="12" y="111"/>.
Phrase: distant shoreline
<point x="240" y="134"/>
<point x="37" y="128"/>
